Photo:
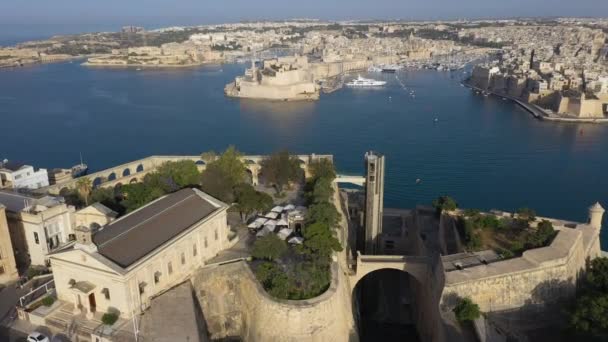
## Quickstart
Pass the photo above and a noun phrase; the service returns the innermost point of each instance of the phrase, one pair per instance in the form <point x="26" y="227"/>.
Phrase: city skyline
<point x="69" y="16"/>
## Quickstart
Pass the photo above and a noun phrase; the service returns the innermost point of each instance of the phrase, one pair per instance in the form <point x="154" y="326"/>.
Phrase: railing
<point x="37" y="293"/>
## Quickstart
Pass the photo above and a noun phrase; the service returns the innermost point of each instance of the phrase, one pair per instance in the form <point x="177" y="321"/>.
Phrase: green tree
<point x="230" y="162"/>
<point x="596" y="277"/>
<point x="274" y="280"/>
<point x="590" y="316"/>
<point x="466" y="310"/>
<point x="445" y="203"/>
<point x="269" y="247"/>
<point x="323" y="190"/>
<point x="249" y="201"/>
<point x="217" y="183"/>
<point x="320" y="242"/>
<point x="322" y="168"/>
<point x="183" y="172"/>
<point x="325" y="213"/>
<point x="280" y="169"/>
<point x="84" y="186"/>
<point x="543" y="234"/>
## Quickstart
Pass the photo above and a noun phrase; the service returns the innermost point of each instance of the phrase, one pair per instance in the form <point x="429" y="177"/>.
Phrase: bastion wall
<point x="235" y="305"/>
<point x="540" y="276"/>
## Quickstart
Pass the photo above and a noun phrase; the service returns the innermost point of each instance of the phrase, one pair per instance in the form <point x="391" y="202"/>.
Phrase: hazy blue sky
<point x="30" y="17"/>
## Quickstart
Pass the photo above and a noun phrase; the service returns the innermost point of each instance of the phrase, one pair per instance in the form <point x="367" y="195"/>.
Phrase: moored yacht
<point x="365" y="82"/>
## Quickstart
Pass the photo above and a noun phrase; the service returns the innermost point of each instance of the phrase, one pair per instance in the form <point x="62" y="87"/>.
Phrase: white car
<point x="37" y="337"/>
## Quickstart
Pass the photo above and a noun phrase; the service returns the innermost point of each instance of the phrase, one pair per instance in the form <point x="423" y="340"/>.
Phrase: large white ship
<point x="365" y="82"/>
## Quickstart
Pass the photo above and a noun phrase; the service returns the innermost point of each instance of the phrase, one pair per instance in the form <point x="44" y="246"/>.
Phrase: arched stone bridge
<point x="135" y="171"/>
<point x="417" y="266"/>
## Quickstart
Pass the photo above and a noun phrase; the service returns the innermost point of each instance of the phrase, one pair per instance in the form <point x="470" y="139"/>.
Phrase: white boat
<point x="365" y="82"/>
<point x="374" y="68"/>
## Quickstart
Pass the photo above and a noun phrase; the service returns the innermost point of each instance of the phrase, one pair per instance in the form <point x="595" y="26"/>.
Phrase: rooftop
<point x="132" y="237"/>
<point x="16" y="202"/>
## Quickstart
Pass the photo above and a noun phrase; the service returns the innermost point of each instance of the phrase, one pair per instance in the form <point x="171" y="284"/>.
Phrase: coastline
<point x="539" y="113"/>
<point x="150" y="66"/>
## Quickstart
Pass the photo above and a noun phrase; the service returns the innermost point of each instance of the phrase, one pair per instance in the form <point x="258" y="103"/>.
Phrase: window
<point x="183" y="258"/>
<point x="142" y="288"/>
<point x="216" y="234"/>
<point x="106" y="293"/>
<point x="169" y="267"/>
<point x="1" y="269"/>
<point x="206" y="244"/>
<point x="36" y="239"/>
<point x="156" y="277"/>
<point x="194" y="251"/>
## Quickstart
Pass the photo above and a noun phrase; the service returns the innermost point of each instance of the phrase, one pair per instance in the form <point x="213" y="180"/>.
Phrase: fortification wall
<point x="539" y="277"/>
<point x="235" y="305"/>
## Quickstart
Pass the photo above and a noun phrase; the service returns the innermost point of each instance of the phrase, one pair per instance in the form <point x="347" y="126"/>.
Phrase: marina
<point x="186" y="107"/>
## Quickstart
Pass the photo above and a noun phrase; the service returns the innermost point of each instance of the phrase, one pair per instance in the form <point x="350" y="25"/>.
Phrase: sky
<point x="45" y="17"/>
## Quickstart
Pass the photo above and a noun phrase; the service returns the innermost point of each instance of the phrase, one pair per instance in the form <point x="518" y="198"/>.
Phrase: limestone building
<point x="8" y="267"/>
<point x="37" y="226"/>
<point x="17" y="176"/>
<point x="123" y="265"/>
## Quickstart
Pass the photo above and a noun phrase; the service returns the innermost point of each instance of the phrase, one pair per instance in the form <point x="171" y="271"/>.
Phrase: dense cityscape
<point x="285" y="246"/>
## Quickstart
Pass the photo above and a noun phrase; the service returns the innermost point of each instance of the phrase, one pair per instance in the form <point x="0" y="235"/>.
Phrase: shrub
<point x="526" y="214"/>
<point x="466" y="310"/>
<point x="269" y="247"/>
<point x="109" y="318"/>
<point x="445" y="203"/>
<point x="471" y="212"/>
<point x="542" y="236"/>
<point x="48" y="301"/>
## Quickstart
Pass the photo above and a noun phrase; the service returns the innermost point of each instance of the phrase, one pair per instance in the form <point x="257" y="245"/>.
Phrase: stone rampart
<point x="540" y="276"/>
<point x="235" y="305"/>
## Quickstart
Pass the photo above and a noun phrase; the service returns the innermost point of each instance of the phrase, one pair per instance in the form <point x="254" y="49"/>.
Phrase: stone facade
<point x="8" y="267"/>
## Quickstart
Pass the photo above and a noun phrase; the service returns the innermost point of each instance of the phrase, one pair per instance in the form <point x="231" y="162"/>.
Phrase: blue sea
<point x="485" y="152"/>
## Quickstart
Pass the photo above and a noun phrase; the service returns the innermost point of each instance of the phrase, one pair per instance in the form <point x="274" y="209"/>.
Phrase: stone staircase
<point x="76" y="327"/>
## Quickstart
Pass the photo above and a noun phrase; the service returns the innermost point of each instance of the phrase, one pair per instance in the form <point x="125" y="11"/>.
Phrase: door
<point x="92" y="303"/>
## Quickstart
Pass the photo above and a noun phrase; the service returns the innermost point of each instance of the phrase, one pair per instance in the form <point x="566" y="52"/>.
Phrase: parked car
<point x="37" y="337"/>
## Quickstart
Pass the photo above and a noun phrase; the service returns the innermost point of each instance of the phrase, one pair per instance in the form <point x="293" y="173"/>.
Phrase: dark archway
<point x="140" y="168"/>
<point x="132" y="181"/>
<point x="383" y="305"/>
<point x="200" y="162"/>
<point x="126" y="172"/>
<point x="248" y="176"/>
<point x="97" y="182"/>
<point x="112" y="176"/>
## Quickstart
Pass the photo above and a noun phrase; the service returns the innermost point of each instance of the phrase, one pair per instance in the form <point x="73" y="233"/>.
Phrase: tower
<point x="374" y="201"/>
<point x="596" y="214"/>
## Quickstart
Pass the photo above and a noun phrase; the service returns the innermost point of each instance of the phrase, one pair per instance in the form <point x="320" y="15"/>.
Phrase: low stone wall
<point x="540" y="276"/>
<point x="235" y="305"/>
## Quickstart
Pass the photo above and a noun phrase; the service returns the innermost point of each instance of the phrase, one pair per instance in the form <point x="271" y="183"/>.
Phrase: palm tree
<point x="85" y="187"/>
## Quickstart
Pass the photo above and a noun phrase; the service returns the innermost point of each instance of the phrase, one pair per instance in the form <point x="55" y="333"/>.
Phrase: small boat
<point x="436" y="120"/>
<point x="80" y="169"/>
<point x="418" y="180"/>
<point x="138" y="69"/>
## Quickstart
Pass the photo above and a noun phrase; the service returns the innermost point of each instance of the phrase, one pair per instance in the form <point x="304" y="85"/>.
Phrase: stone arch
<point x="140" y="168"/>
<point x="134" y="180"/>
<point x="118" y="185"/>
<point x="381" y="292"/>
<point x="97" y="182"/>
<point x="126" y="172"/>
<point x="64" y="191"/>
<point x="200" y="162"/>
<point x="112" y="176"/>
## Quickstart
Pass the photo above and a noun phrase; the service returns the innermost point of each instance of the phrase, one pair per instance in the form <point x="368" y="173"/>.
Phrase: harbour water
<point x="485" y="152"/>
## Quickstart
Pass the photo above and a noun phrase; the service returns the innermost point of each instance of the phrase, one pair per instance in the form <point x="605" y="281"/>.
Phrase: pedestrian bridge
<point x="416" y="266"/>
<point x="356" y="180"/>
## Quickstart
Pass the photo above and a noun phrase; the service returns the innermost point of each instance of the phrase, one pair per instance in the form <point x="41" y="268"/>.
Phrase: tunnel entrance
<point x="384" y="306"/>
